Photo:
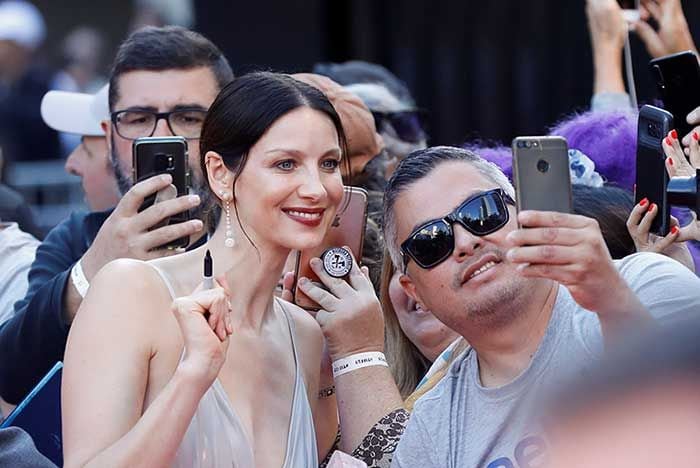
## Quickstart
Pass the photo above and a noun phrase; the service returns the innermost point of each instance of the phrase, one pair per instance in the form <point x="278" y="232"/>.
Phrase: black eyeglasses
<point x="434" y="241"/>
<point x="408" y="125"/>
<point x="133" y="124"/>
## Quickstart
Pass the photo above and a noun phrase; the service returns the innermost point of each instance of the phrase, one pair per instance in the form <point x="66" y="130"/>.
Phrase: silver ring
<point x="337" y="261"/>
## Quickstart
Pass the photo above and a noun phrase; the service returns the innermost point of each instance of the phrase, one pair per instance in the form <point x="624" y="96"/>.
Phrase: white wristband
<point x="358" y="361"/>
<point x="79" y="280"/>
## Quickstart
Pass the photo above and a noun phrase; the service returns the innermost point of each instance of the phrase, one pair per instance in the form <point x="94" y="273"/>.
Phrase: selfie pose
<point x="160" y="371"/>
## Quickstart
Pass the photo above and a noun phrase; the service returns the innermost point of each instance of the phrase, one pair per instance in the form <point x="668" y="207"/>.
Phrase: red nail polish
<point x="668" y="141"/>
<point x="674" y="134"/>
<point x="670" y="162"/>
<point x="643" y="202"/>
<point x="674" y="230"/>
<point x="652" y="206"/>
<point x="696" y="136"/>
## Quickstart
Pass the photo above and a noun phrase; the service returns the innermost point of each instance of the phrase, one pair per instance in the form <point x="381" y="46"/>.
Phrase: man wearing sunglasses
<point x="162" y="83"/>
<point x="535" y="303"/>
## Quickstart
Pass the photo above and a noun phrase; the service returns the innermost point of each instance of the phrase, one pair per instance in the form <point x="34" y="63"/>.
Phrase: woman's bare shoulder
<point x="309" y="338"/>
<point x="124" y="286"/>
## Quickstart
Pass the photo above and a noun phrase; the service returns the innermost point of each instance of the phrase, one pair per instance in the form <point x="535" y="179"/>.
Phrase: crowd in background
<point x="455" y="339"/>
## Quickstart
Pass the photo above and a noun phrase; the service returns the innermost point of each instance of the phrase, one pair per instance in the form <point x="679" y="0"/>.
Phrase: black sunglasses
<point x="434" y="241"/>
<point x="408" y="125"/>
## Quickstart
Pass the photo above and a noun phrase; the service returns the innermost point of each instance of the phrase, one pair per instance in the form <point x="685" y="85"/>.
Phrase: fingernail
<point x="674" y="134"/>
<point x="693" y="116"/>
<point x="193" y="199"/>
<point x="644" y="202"/>
<point x="668" y="141"/>
<point x="303" y="280"/>
<point x="197" y="224"/>
<point x="670" y="161"/>
<point x="315" y="262"/>
<point x="674" y="230"/>
<point x="652" y="206"/>
<point x="696" y="136"/>
<point x="166" y="178"/>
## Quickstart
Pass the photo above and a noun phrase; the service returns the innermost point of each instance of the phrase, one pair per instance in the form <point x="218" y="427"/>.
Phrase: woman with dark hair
<point x="159" y="375"/>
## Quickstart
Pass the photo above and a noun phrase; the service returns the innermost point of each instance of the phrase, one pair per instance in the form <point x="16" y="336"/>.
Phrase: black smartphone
<point x="348" y="228"/>
<point x="678" y="81"/>
<point x="652" y="179"/>
<point x="541" y="174"/>
<point x="153" y="156"/>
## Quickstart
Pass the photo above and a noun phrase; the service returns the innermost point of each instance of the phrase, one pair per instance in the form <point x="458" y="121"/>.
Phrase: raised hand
<point x="204" y="318"/>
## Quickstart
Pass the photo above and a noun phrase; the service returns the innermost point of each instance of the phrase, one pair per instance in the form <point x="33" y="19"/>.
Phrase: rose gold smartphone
<point x="347" y="229"/>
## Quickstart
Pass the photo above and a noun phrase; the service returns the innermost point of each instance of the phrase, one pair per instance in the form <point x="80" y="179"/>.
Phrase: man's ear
<point x="107" y="128"/>
<point x="409" y="287"/>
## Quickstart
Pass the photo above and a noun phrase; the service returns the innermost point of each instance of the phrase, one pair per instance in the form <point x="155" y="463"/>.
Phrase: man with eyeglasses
<point x="162" y="83"/>
<point x="536" y="303"/>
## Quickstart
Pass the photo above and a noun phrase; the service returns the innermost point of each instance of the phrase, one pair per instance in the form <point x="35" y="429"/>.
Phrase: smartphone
<point x="651" y="178"/>
<point x="630" y="10"/>
<point x="541" y="174"/>
<point x="347" y="229"/>
<point x="678" y="81"/>
<point x="164" y="155"/>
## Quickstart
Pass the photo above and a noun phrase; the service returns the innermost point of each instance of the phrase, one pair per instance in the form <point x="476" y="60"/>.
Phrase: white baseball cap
<point x="21" y="22"/>
<point x="77" y="113"/>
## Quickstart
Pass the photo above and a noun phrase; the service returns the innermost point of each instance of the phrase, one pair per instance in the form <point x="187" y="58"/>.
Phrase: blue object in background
<point x="39" y="414"/>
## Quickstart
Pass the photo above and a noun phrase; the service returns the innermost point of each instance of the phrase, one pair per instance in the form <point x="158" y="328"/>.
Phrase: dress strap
<point x="292" y="330"/>
<point x="165" y="279"/>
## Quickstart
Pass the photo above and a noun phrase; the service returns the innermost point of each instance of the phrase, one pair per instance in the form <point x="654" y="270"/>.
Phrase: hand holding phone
<point x="163" y="155"/>
<point x="651" y="176"/>
<point x="347" y="229"/>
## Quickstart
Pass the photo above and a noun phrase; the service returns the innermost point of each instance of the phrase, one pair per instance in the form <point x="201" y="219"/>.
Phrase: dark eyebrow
<point x="179" y="107"/>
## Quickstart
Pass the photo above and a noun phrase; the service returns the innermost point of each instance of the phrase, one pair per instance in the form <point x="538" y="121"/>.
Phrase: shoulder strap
<point x="290" y="324"/>
<point x="165" y="279"/>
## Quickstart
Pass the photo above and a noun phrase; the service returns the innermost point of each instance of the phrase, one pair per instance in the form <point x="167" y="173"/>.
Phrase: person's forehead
<point x="437" y="194"/>
<point x="163" y="90"/>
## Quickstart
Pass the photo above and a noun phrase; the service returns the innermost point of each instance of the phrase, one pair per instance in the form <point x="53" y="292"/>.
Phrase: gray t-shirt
<point x="461" y="424"/>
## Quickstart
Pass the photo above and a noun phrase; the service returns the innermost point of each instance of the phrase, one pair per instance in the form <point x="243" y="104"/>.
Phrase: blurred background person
<point x="13" y="208"/>
<point x="81" y="115"/>
<point x="396" y="116"/>
<point x="639" y="409"/>
<point x="81" y="56"/>
<point x="23" y="82"/>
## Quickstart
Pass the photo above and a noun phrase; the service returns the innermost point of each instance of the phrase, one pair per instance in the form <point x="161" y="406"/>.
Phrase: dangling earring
<point x="228" y="241"/>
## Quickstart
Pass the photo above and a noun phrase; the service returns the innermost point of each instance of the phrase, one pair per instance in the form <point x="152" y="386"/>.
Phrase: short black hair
<point x="166" y="48"/>
<point x="610" y="206"/>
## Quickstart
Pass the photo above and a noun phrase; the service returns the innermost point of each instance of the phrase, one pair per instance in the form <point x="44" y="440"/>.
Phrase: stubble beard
<point x="500" y="306"/>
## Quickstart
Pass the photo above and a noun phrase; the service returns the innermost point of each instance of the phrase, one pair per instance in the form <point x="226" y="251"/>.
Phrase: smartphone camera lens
<point x="542" y="166"/>
<point x="164" y="162"/>
<point x="654" y="130"/>
<point x="535" y="144"/>
<point x="528" y="144"/>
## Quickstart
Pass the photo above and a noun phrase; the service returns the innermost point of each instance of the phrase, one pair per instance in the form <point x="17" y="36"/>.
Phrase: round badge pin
<point x="337" y="261"/>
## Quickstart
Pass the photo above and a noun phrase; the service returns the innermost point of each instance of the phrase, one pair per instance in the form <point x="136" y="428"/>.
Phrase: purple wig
<point x="608" y="138"/>
<point x="501" y="156"/>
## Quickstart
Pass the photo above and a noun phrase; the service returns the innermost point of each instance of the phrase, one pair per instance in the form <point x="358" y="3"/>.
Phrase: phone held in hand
<point x="154" y="156"/>
<point x="651" y="177"/>
<point x="678" y="82"/>
<point x="347" y="229"/>
<point x="541" y="174"/>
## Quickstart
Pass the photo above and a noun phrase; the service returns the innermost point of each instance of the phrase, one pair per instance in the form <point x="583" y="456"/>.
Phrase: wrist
<point x="358" y="361"/>
<point x="191" y="377"/>
<point x="89" y="264"/>
<point x="344" y="353"/>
